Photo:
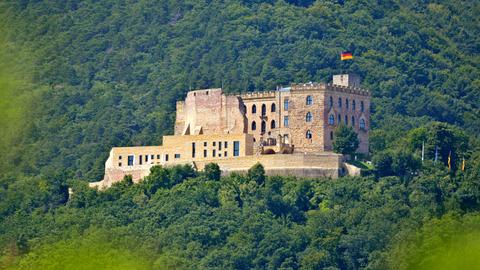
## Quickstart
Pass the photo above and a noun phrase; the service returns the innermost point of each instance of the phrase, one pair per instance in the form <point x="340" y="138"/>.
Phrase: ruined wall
<point x="180" y="118"/>
<point x="209" y="112"/>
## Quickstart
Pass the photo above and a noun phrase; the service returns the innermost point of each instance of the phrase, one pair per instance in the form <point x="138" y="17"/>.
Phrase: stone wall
<point x="209" y="111"/>
<point x="298" y="117"/>
<point x="301" y="165"/>
<point x="348" y="113"/>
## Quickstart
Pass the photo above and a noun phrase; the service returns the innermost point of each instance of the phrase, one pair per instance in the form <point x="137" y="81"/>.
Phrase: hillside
<point x="78" y="77"/>
<point x="113" y="69"/>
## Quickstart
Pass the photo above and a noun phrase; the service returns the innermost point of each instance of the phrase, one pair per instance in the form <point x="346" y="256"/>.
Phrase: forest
<point x="79" y="77"/>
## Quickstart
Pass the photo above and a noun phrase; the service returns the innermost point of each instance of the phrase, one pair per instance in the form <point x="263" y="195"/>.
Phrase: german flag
<point x="346" y="56"/>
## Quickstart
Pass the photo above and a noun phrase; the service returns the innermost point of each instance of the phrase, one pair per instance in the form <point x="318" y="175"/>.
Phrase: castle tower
<point x="347" y="80"/>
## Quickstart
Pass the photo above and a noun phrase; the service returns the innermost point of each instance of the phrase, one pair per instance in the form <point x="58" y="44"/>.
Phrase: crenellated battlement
<point x="258" y="95"/>
<point x="347" y="89"/>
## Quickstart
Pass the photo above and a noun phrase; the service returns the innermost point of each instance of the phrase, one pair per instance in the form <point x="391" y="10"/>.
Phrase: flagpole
<point x="423" y="150"/>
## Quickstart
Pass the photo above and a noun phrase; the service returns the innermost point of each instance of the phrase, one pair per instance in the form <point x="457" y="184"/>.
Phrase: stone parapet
<point x="301" y="165"/>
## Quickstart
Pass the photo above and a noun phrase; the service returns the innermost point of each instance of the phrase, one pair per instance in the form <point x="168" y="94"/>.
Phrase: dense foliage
<point x="176" y="219"/>
<point x="346" y="140"/>
<point x="78" y="77"/>
<point x="114" y="69"/>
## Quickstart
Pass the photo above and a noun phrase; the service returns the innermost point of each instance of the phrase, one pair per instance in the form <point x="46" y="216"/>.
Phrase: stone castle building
<point x="289" y="130"/>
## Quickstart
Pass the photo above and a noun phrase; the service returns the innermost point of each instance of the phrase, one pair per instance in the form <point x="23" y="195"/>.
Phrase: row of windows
<point x="263" y="125"/>
<point x="144" y="159"/>
<point x="214" y="144"/>
<point x="236" y="149"/>
<point x="273" y="108"/>
<point x="331" y="120"/>
<point x="347" y="104"/>
<point x="309" y="135"/>
<point x="308" y="102"/>
<point x="309" y="118"/>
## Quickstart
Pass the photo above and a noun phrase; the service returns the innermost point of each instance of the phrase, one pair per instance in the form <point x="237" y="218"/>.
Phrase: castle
<point x="290" y="131"/>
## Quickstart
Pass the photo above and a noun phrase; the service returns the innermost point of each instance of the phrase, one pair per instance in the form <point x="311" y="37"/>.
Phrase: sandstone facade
<point x="289" y="130"/>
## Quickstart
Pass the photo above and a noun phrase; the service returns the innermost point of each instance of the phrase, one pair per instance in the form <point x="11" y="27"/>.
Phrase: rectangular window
<point x="166" y="157"/>
<point x="120" y="157"/>
<point x="214" y="144"/>
<point x="140" y="159"/>
<point x="119" y="164"/>
<point x="205" y="153"/>
<point x="226" y="144"/>
<point x="146" y="158"/>
<point x="193" y="149"/>
<point x="205" y="144"/>
<point x="214" y="152"/>
<point x="177" y="155"/>
<point x="236" y="148"/>
<point x="219" y="145"/>
<point x="225" y="154"/>
<point x="219" y="154"/>
<point x="285" y="121"/>
<point x="152" y="157"/>
<point x="130" y="160"/>
<point x="285" y="104"/>
<point x="158" y="156"/>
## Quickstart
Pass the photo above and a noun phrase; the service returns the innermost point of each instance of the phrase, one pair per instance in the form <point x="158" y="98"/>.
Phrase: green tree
<point x="212" y="171"/>
<point x="400" y="163"/>
<point x="346" y="140"/>
<point x="257" y="173"/>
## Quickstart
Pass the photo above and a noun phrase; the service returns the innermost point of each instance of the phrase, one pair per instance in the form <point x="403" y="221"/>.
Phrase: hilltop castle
<point x="289" y="130"/>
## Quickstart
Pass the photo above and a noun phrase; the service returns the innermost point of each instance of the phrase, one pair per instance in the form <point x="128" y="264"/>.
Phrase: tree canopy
<point x="80" y="77"/>
<point x="345" y="140"/>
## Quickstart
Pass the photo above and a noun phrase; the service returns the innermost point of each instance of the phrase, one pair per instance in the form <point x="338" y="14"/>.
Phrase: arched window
<point x="353" y="105"/>
<point x="309" y="100"/>
<point x="346" y="120"/>
<point x="264" y="109"/>
<point x="339" y="118"/>
<point x="254" y="109"/>
<point x="330" y="102"/>
<point x="308" y="135"/>
<point x="362" y="107"/>
<point x="273" y="108"/>
<point x="362" y="123"/>
<point x="308" y="117"/>
<point x="339" y="102"/>
<point x="272" y="124"/>
<point x="285" y="104"/>
<point x="331" y="119"/>
<point x="331" y="135"/>
<point x="254" y="125"/>
<point x="264" y="127"/>
<point x="353" y="121"/>
<point x="244" y="108"/>
<point x="346" y="103"/>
